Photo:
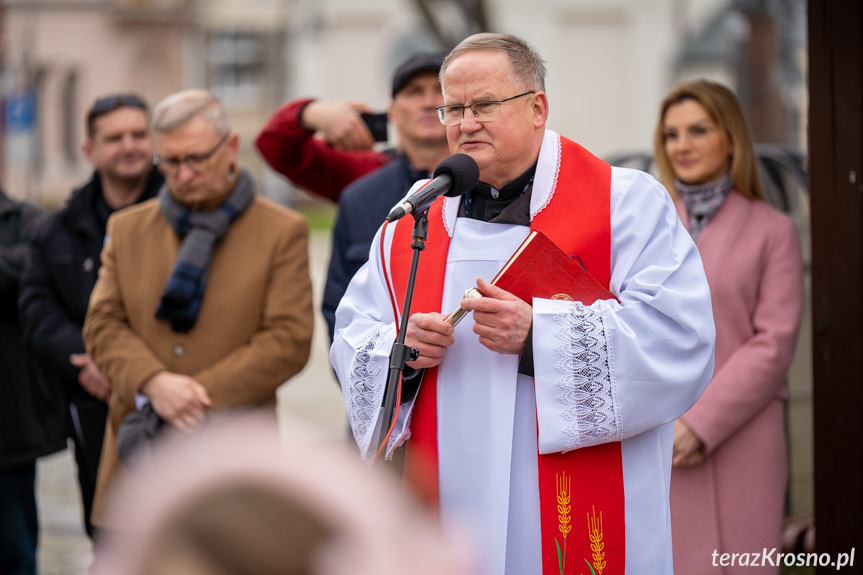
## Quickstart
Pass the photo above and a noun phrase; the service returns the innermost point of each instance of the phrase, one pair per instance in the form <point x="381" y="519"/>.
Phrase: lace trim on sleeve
<point x="553" y="185"/>
<point x="589" y="396"/>
<point x="363" y="400"/>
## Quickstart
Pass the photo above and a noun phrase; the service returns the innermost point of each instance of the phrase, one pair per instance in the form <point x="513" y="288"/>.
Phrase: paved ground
<point x="313" y="396"/>
<point x="64" y="548"/>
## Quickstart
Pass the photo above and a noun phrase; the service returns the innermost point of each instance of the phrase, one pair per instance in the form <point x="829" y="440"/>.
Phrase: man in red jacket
<point x="323" y="146"/>
<point x="320" y="146"/>
<point x="327" y="165"/>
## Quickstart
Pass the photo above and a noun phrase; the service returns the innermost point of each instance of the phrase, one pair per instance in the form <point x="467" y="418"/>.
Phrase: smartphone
<point x="377" y="124"/>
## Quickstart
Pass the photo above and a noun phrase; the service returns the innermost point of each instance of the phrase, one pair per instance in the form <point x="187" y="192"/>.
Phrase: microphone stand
<point x="401" y="353"/>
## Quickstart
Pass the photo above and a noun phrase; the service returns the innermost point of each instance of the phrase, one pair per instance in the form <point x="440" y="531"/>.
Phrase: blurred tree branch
<point x="474" y="18"/>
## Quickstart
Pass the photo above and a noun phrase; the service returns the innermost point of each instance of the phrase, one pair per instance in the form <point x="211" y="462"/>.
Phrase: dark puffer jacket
<point x="32" y="417"/>
<point x="62" y="270"/>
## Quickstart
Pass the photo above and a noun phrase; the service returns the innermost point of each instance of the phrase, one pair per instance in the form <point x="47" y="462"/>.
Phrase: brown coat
<point x="253" y="331"/>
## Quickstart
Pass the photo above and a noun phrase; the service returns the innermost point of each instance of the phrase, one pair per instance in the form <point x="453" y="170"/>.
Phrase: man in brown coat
<point x="204" y="300"/>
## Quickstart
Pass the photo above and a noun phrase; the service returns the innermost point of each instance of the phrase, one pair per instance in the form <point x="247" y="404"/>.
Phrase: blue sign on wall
<point x="19" y="111"/>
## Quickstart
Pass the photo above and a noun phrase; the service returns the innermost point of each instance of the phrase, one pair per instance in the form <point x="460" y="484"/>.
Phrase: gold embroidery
<point x="563" y="506"/>
<point x="594" y="530"/>
<point x="564" y="497"/>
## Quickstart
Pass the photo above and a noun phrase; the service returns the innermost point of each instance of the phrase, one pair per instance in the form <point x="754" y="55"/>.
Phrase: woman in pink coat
<point x="729" y="472"/>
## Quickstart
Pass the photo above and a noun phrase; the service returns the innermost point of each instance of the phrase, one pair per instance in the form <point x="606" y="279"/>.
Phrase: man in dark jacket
<point x="63" y="266"/>
<point x="31" y="412"/>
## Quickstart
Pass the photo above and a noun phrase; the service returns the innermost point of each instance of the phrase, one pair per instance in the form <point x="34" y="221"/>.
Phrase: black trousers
<point x="89" y="417"/>
<point x="19" y="524"/>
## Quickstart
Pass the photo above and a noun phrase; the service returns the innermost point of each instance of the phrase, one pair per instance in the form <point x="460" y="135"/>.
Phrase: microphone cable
<point x="390" y="288"/>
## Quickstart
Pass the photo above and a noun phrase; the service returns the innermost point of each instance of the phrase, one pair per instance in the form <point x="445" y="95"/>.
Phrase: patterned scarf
<point x="200" y="230"/>
<point x="702" y="201"/>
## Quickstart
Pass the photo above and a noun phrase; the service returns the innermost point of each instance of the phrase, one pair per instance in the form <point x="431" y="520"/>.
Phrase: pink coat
<point x="733" y="501"/>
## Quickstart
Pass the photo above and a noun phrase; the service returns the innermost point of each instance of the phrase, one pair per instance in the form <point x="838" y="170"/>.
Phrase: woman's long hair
<point x="724" y="109"/>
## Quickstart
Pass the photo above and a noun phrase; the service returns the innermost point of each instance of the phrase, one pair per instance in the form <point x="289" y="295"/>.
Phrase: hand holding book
<point x="538" y="268"/>
<point x="501" y="320"/>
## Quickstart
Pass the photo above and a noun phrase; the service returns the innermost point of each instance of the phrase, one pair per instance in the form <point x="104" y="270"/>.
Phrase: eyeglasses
<point x="483" y="111"/>
<point x="195" y="162"/>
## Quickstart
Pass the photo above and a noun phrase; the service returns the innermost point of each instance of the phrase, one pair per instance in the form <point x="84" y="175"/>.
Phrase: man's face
<point x="412" y="110"/>
<point x="508" y="144"/>
<point x="121" y="147"/>
<point x="192" y="181"/>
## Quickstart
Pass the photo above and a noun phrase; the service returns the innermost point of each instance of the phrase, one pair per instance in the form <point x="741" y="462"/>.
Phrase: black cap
<point x="420" y="62"/>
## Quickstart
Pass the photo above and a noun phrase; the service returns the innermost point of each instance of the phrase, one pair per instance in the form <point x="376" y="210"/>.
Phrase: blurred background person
<point x="364" y="204"/>
<point x="31" y="412"/>
<point x="729" y="465"/>
<point x="204" y="300"/>
<point x="64" y="263"/>
<point x="345" y="154"/>
<point x="234" y="500"/>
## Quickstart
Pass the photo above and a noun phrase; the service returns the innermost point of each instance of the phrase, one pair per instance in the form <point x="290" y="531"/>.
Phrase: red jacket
<point x="309" y="162"/>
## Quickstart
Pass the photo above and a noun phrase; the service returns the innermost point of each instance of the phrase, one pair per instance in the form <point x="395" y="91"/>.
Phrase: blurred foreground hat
<point x="235" y="498"/>
<point x="420" y="62"/>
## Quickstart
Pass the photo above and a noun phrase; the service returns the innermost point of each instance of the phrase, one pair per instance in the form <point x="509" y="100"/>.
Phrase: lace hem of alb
<point x="363" y="402"/>
<point x="591" y="408"/>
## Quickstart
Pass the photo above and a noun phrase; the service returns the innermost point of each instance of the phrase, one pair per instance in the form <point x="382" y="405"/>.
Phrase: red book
<point x="538" y="268"/>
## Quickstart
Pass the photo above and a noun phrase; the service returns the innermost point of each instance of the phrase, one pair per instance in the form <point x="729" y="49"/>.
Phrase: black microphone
<point x="454" y="176"/>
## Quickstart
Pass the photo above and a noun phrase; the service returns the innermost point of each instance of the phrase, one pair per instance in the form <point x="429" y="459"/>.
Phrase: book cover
<point x="538" y="268"/>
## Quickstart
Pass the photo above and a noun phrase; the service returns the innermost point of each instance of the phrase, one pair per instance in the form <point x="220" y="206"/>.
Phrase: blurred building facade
<point x="609" y="62"/>
<point x="58" y="56"/>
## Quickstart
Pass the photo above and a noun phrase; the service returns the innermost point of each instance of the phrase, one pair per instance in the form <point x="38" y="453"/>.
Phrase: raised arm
<point x="288" y="143"/>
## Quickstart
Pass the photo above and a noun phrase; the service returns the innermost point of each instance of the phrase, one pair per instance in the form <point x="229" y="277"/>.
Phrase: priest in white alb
<point x="545" y="427"/>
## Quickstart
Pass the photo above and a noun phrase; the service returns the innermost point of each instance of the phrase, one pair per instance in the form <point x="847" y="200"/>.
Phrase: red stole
<point x="581" y="492"/>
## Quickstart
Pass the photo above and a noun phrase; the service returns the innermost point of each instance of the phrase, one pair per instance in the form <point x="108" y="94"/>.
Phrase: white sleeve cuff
<point x="576" y="396"/>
